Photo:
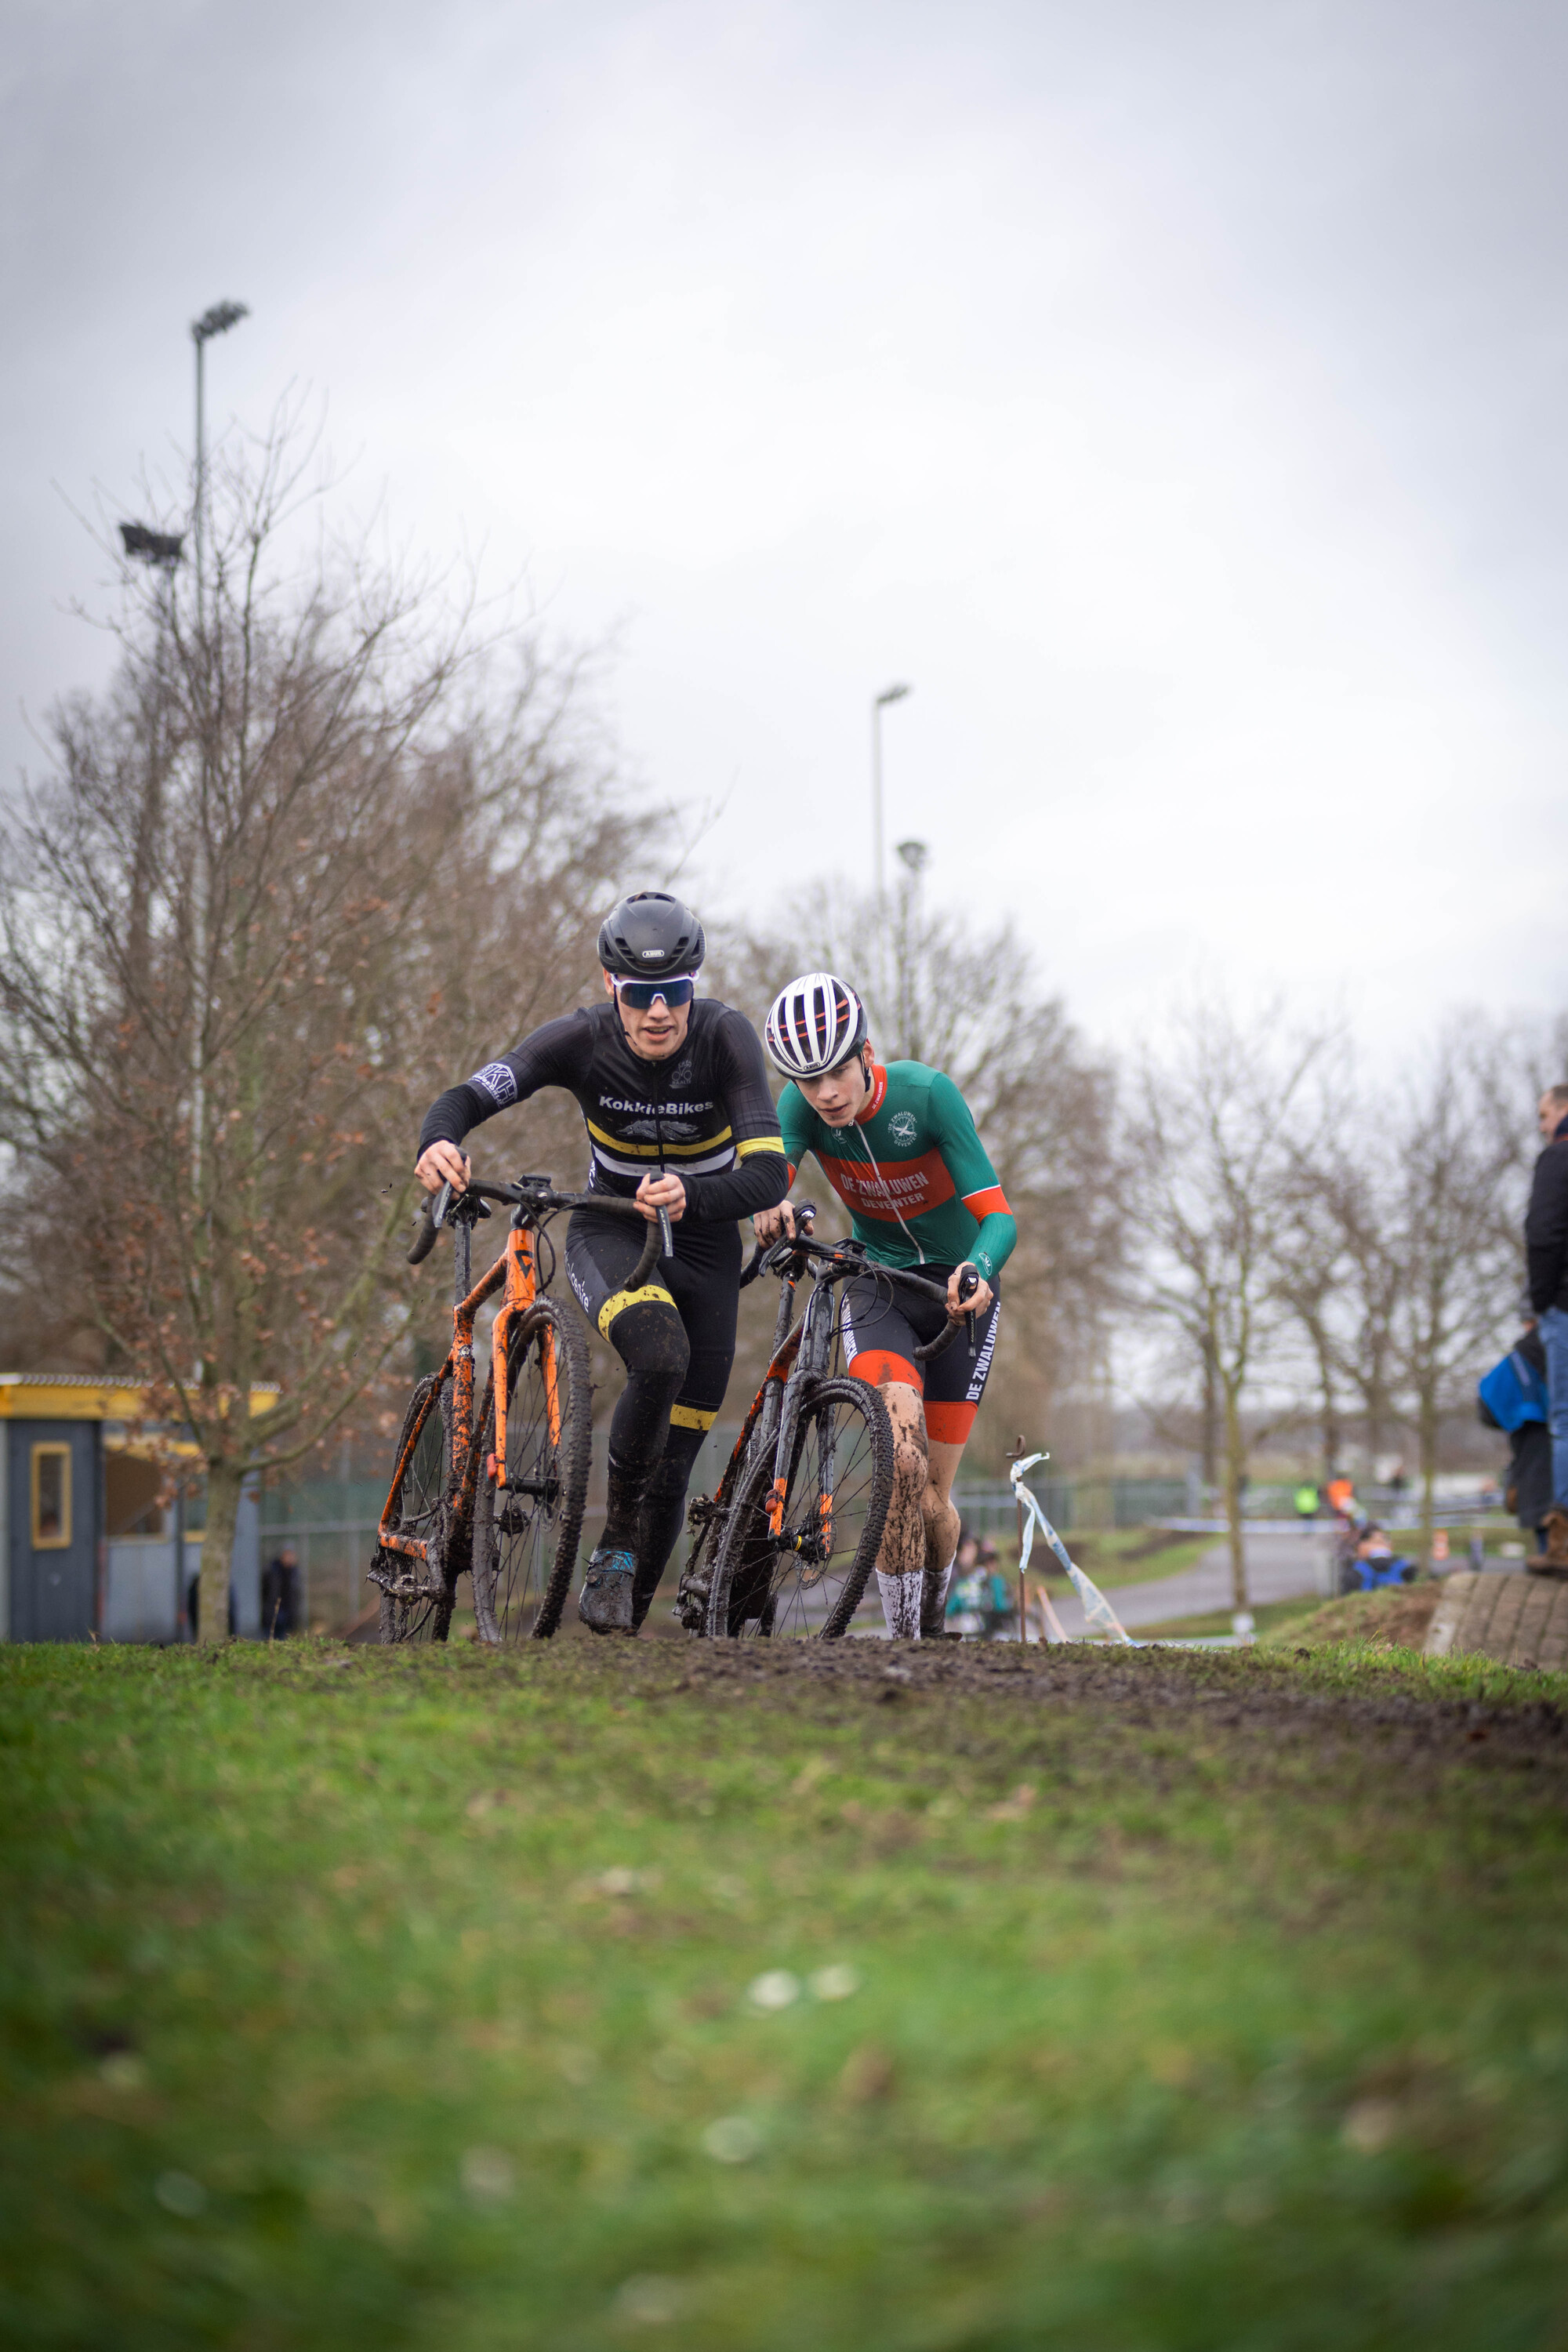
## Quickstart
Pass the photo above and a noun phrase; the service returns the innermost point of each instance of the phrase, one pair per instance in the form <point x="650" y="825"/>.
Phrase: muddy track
<point x="1272" y="1698"/>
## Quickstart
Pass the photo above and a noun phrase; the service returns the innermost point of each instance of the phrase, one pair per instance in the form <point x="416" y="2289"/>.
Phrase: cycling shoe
<point x="604" y="1603"/>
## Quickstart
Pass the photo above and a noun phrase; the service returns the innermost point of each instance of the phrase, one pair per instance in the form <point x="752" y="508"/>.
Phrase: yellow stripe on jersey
<point x="759" y="1143"/>
<point x="651" y="1294"/>
<point x="658" y="1150"/>
<point x="691" y="1416"/>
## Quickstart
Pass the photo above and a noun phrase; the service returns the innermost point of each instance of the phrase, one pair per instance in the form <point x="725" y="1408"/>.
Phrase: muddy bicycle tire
<point x="762" y="1590"/>
<point x="417" y="1598"/>
<point x="526" y="1551"/>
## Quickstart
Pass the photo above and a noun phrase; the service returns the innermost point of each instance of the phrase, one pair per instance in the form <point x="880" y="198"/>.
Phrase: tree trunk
<point x="224" y="1479"/>
<point x="1330" y="1414"/>
<point x="1427" y="1423"/>
<point x="1235" y="1468"/>
<point x="1211" y="1418"/>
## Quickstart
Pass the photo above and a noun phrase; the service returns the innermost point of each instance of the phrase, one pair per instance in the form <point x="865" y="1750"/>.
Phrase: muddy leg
<point x="900" y="1564"/>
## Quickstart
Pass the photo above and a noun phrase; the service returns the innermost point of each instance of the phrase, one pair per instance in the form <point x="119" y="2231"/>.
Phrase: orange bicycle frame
<point x="516" y="1270"/>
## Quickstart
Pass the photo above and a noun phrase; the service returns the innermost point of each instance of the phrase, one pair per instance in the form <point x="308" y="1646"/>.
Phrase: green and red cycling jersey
<point x="911" y="1170"/>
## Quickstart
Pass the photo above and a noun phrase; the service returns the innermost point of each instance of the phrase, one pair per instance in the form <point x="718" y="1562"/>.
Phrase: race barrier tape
<point x="1096" y="1607"/>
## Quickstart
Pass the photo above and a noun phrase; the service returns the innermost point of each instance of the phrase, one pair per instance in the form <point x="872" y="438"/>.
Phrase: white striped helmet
<point x="813" y="1025"/>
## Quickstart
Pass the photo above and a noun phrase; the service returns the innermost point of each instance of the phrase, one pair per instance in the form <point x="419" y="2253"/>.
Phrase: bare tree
<point x="1452" y="1238"/>
<point x="315" y="847"/>
<point x="1220" y="1124"/>
<point x="1373" y="1278"/>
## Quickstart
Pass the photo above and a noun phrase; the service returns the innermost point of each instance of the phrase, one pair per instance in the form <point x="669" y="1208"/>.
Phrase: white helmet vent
<point x="813" y="1025"/>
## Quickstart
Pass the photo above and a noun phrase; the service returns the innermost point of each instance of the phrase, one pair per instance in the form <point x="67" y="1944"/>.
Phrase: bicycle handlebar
<point x="539" y="1194"/>
<point x="774" y="1256"/>
<point x="431" y="1221"/>
<point x="968" y="1284"/>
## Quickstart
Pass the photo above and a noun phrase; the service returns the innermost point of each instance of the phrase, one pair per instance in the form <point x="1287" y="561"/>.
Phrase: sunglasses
<point x="641" y="994"/>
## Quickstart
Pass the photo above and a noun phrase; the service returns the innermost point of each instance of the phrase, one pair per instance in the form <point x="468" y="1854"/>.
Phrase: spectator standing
<point x="1546" y="1257"/>
<point x="280" y="1599"/>
<point x="1512" y="1398"/>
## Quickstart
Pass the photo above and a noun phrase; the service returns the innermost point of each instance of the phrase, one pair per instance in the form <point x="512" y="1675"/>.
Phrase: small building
<point x="87" y="1548"/>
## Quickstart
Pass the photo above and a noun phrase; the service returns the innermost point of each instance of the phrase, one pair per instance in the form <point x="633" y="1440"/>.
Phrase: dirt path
<point x="1279" y="1567"/>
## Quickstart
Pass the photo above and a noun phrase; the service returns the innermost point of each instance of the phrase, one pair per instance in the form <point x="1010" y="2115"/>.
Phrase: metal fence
<point x="331" y="1522"/>
<point x="986" y="1504"/>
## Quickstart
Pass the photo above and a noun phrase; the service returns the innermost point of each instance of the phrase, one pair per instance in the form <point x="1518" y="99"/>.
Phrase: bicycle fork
<point x="522" y="1293"/>
<point x="811" y="1360"/>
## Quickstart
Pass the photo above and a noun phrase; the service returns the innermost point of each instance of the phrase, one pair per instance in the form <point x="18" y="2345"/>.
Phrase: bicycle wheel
<point x="417" y="1595"/>
<point x="805" y="1580"/>
<point x="525" y="1550"/>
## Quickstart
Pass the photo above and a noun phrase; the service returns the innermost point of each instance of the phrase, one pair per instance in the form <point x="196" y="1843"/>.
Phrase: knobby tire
<point x="750" y="1567"/>
<point x="418" y="1507"/>
<point x="525" y="1552"/>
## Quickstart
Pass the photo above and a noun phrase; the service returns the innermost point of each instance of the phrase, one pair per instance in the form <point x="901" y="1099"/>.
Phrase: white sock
<point x="901" y="1603"/>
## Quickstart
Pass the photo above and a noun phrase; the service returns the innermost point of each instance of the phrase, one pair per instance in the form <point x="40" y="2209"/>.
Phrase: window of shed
<point x="132" y="1498"/>
<point x="51" y="1497"/>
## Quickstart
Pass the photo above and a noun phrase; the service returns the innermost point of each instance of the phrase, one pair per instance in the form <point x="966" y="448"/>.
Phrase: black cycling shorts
<point x="696" y="1294"/>
<point x="881" y="1324"/>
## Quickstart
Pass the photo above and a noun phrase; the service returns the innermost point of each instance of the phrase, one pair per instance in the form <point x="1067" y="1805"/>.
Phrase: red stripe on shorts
<point x="876" y="1365"/>
<point x="949" y="1424"/>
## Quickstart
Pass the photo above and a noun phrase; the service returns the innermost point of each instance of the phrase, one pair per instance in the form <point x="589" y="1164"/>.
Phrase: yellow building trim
<point x="651" y="1294"/>
<point x="28" y="1396"/>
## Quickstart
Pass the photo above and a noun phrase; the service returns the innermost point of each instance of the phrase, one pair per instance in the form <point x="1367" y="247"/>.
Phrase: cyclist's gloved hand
<point x="978" y="1300"/>
<point x="667" y="1193"/>
<point x="772" y="1224"/>
<point x="442" y="1163"/>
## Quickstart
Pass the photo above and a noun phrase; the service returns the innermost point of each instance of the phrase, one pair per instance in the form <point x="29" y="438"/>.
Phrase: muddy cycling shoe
<point x="604" y="1603"/>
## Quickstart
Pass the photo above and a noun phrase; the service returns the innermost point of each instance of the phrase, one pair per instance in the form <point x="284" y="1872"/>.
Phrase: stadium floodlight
<point x="162" y="548"/>
<point x="218" y="320"/>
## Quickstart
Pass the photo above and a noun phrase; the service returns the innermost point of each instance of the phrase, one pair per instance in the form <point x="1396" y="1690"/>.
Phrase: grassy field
<point x="862" y="1999"/>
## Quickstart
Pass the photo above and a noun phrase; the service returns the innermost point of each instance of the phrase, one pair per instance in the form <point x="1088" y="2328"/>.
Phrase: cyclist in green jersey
<point x="897" y="1145"/>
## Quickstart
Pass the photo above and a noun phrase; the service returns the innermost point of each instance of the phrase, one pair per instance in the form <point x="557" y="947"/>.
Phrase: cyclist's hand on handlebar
<point x="665" y="1193"/>
<point x="442" y="1163"/>
<point x="978" y="1299"/>
<point x="771" y="1225"/>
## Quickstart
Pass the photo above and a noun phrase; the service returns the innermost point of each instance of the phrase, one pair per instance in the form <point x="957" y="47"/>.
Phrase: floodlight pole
<point x="889" y="693"/>
<point x="217" y="320"/>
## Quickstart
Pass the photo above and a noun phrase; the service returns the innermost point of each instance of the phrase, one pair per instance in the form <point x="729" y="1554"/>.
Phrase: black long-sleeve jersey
<point x="705" y="1115"/>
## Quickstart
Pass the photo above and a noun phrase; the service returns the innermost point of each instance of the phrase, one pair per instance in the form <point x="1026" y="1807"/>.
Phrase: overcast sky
<point x="1172" y="393"/>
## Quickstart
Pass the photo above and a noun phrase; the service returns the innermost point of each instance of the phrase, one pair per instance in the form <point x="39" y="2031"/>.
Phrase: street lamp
<point x="889" y="693"/>
<point x="216" y="321"/>
<point x="914" y="855"/>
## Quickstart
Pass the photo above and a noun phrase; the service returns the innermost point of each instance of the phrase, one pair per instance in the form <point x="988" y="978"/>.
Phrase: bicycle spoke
<point x="417" y="1604"/>
<point x="801" y="1579"/>
<point x="526" y="1541"/>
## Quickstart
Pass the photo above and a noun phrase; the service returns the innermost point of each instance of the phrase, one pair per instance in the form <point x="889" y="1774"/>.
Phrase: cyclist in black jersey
<point x="675" y="1098"/>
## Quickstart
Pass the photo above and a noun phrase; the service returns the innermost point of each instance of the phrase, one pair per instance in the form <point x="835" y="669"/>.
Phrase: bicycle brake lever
<point x="968" y="1284"/>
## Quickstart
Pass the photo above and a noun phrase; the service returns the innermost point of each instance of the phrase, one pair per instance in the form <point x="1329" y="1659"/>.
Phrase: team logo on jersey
<point x="902" y="1127"/>
<point x="498" y="1082"/>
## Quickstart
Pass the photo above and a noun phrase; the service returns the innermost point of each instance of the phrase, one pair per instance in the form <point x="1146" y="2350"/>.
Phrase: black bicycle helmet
<point x="651" y="936"/>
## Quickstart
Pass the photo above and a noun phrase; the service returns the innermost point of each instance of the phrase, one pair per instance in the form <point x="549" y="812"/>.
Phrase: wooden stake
<point x="1017" y="1455"/>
